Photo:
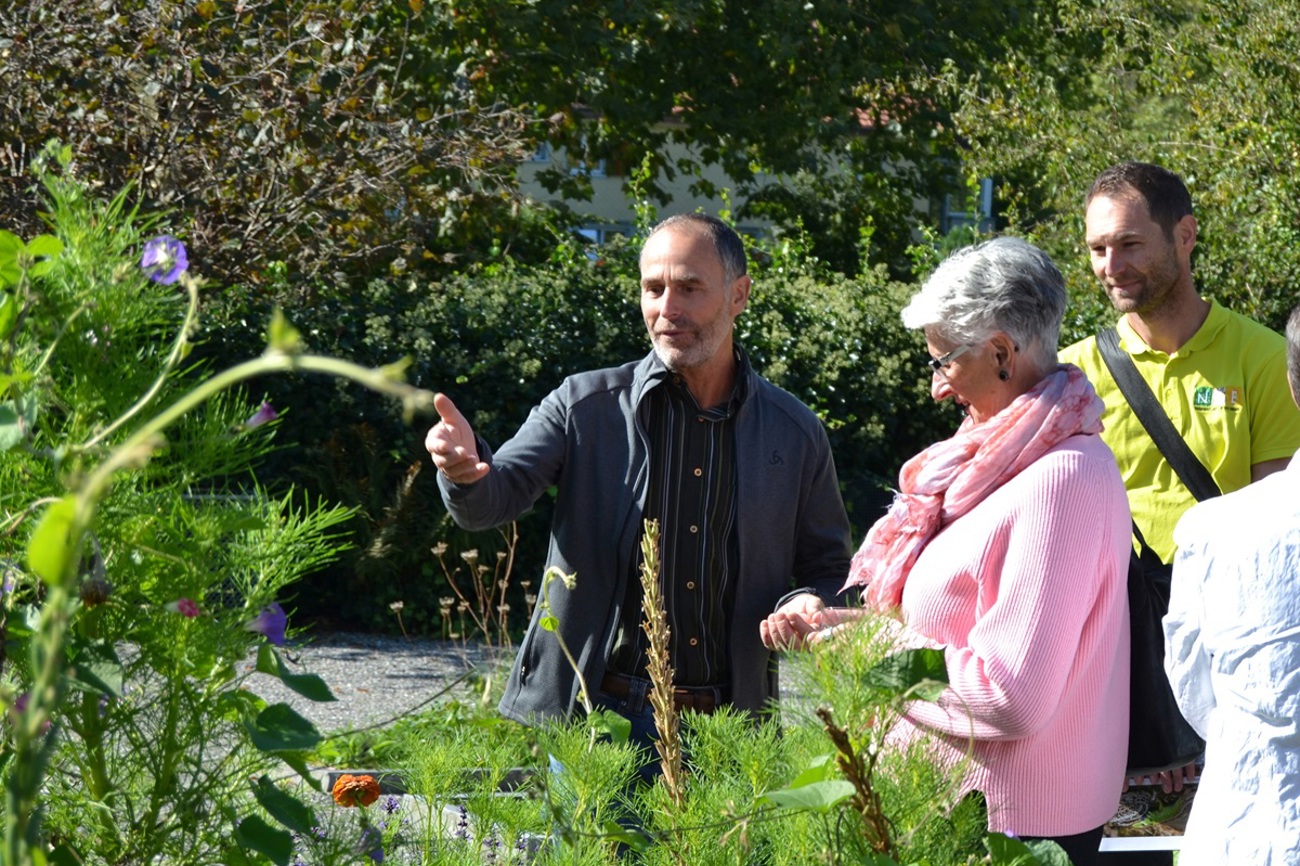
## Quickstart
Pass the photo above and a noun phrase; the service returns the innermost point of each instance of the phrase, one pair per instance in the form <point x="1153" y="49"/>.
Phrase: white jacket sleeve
<point x="1187" y="657"/>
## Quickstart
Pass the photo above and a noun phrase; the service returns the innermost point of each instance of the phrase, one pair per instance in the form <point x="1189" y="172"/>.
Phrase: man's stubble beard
<point x="1157" y="291"/>
<point x="706" y="345"/>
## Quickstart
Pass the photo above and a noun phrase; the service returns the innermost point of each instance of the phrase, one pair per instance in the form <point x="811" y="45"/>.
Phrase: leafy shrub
<point x="293" y="133"/>
<point x="498" y="339"/>
<point x="1210" y="91"/>
<point x="141" y="573"/>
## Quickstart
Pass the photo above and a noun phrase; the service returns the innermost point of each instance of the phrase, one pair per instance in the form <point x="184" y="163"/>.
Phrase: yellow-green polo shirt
<point x="1225" y="391"/>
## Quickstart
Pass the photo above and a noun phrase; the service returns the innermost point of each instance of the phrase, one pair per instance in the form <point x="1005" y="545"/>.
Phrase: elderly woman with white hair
<point x="1007" y="546"/>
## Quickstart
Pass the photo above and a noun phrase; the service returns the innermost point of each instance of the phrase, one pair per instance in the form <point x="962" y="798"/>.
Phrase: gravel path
<point x="375" y="678"/>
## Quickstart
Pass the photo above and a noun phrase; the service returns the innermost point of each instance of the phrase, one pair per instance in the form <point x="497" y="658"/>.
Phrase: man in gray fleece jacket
<point x="738" y="472"/>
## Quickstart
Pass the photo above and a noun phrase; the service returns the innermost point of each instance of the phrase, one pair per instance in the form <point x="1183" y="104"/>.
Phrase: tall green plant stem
<point x="179" y="349"/>
<point x="94" y="770"/>
<point x="167" y="771"/>
<point x="32" y="747"/>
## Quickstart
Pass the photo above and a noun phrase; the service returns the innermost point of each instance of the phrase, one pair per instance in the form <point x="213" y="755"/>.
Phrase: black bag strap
<point x="1190" y="470"/>
<point x="1146" y="555"/>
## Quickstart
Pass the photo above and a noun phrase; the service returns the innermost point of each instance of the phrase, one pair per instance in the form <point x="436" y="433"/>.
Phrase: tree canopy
<point x="1210" y="90"/>
<point x="844" y="93"/>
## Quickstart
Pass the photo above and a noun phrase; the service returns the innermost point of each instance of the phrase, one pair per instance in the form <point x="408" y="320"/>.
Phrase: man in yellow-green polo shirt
<point x="1221" y="377"/>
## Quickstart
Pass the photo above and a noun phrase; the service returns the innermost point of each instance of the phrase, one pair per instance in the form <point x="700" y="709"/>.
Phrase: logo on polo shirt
<point x="1229" y="397"/>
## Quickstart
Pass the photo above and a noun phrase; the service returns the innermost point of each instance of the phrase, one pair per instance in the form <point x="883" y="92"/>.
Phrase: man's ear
<point x="1185" y="234"/>
<point x="740" y="293"/>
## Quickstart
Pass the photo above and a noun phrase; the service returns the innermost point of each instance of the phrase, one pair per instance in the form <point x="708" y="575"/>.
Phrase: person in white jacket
<point x="1232" y="653"/>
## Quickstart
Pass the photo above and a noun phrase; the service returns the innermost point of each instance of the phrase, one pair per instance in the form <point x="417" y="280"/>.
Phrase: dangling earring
<point x="1003" y="375"/>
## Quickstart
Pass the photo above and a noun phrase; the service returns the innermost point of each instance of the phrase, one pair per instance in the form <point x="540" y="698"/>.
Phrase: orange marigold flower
<point x="355" y="790"/>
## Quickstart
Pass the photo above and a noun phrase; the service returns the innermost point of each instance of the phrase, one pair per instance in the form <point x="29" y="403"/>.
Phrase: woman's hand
<point x="792" y="625"/>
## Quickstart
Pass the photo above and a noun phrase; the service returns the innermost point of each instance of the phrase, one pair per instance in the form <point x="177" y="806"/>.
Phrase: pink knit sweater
<point x="1027" y="595"/>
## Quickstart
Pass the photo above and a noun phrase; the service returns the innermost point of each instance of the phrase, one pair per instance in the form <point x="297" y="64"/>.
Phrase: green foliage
<point x="838" y="345"/>
<point x="775" y="88"/>
<point x="1209" y="90"/>
<point x="320" y="136"/>
<point x="757" y="794"/>
<point x="498" y="339"/>
<point x="140" y="571"/>
<point x="853" y="220"/>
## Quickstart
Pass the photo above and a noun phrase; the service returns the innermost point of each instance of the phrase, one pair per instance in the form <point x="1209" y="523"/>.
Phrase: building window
<point x="981" y="217"/>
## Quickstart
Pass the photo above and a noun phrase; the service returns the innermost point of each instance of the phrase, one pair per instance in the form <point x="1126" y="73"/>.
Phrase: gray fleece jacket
<point x="584" y="441"/>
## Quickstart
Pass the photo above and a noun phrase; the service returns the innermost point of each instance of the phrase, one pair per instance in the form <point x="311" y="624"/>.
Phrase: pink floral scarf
<point x="951" y="477"/>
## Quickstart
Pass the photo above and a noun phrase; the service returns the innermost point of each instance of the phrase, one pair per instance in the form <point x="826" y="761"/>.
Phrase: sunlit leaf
<point x="1009" y="851"/>
<point x="819" y="770"/>
<point x="11" y="249"/>
<point x="396" y="371"/>
<point x="51" y="547"/>
<point x="44" y="249"/>
<point x="8" y="316"/>
<point x="282" y="336"/>
<point x="310" y="686"/>
<point x="616" y="727"/>
<point x="819" y="797"/>
<point x="917" y="673"/>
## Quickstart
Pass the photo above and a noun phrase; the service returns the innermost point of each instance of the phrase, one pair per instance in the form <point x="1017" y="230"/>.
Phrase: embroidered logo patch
<point x="1229" y="397"/>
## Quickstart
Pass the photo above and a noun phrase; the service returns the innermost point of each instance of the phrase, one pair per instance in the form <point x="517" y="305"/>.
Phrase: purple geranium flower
<point x="270" y="623"/>
<point x="265" y="413"/>
<point x="164" y="259"/>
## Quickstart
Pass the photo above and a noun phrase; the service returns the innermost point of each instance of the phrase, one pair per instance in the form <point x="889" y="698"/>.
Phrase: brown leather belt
<point x="702" y="699"/>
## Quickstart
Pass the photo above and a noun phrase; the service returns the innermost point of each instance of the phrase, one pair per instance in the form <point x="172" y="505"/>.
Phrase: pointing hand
<point x="452" y="445"/>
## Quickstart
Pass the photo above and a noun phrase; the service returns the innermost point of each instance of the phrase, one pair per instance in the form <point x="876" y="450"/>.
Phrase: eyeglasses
<point x="945" y="361"/>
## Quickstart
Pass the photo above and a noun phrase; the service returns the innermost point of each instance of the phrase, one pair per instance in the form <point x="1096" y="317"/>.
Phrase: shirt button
<point x="690" y="584"/>
<point x="699" y="472"/>
<point x="694" y="529"/>
<point x="695" y="642"/>
<point x="699" y="418"/>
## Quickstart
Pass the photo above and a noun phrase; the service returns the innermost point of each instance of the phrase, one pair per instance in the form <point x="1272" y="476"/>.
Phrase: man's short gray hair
<point x="730" y="248"/>
<point x="1005" y="284"/>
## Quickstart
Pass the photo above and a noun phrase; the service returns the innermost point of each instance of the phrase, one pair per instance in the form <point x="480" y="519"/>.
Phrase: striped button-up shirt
<point x="692" y="493"/>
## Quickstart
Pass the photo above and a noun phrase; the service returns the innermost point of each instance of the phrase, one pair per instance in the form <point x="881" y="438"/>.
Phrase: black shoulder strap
<point x="1154" y="418"/>
<point x="1148" y="556"/>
